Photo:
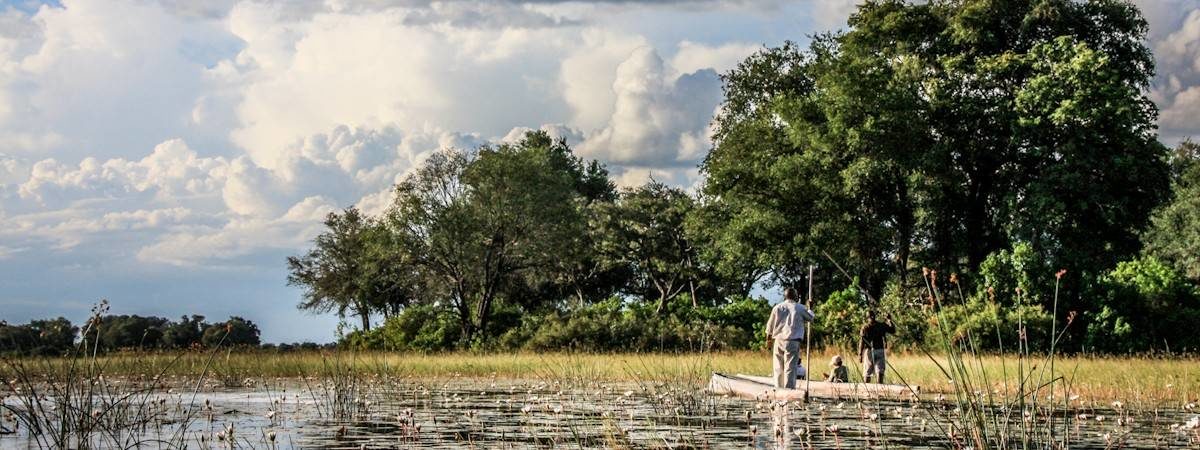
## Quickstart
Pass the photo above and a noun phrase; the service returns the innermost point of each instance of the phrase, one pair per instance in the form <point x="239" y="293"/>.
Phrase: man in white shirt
<point x="786" y="328"/>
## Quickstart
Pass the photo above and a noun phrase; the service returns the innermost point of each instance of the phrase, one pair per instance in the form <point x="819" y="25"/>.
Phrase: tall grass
<point x="1015" y="407"/>
<point x="75" y="402"/>
<point x="1145" y="380"/>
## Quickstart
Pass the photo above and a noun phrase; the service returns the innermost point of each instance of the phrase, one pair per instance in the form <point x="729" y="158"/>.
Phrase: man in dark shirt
<point x="871" y="346"/>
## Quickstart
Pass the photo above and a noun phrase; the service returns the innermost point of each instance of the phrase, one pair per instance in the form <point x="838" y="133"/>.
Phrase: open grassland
<point x="1132" y="380"/>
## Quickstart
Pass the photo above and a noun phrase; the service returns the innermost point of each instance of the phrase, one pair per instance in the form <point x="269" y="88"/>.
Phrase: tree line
<point x="56" y="337"/>
<point x="1007" y="145"/>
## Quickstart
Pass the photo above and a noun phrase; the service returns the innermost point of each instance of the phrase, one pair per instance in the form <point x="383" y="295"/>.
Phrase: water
<point x="458" y="413"/>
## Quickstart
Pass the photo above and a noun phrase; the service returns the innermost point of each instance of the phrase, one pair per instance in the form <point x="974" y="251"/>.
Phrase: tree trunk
<point x="692" y="287"/>
<point x="906" y="223"/>
<point x="366" y="318"/>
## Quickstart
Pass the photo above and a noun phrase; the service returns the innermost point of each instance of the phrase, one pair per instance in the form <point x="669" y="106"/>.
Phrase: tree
<point x="1144" y="304"/>
<point x="234" y="332"/>
<point x="54" y="337"/>
<point x="644" y="231"/>
<point x="489" y="224"/>
<point x="130" y="332"/>
<point x="1174" y="235"/>
<point x="939" y="133"/>
<point x="350" y="270"/>
<point x="185" y="333"/>
<point x="758" y="209"/>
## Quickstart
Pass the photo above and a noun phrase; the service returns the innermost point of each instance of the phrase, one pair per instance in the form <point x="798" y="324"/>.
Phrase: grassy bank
<point x="1139" y="380"/>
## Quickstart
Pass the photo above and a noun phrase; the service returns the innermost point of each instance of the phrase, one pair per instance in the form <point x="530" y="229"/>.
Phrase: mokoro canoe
<point x="750" y="386"/>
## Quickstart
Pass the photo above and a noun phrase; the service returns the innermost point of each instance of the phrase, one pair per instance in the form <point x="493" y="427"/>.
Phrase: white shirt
<point x="787" y="320"/>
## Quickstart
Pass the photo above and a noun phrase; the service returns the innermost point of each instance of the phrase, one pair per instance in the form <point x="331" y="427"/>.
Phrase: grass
<point x="1133" y="380"/>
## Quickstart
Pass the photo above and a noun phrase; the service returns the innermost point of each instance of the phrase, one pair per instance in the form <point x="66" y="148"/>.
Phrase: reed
<point x="1143" y="380"/>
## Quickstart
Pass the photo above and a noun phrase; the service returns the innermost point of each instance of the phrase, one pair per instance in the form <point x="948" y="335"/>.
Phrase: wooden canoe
<point x="755" y="387"/>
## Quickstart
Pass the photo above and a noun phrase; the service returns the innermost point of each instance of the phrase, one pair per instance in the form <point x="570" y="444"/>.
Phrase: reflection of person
<point x="871" y="346"/>
<point x="838" y="372"/>
<point x="786" y="328"/>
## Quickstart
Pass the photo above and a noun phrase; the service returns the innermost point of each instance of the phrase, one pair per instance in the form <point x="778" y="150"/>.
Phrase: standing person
<point x="786" y="328"/>
<point x="871" y="346"/>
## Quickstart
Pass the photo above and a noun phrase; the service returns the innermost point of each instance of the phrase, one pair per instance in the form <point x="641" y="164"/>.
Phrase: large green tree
<point x="644" y="231"/>
<point x="354" y="268"/>
<point x="936" y="133"/>
<point x="490" y="224"/>
<point x="1174" y="236"/>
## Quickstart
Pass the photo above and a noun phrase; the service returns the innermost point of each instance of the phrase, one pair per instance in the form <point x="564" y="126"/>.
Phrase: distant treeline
<point x="1003" y="154"/>
<point x="131" y="332"/>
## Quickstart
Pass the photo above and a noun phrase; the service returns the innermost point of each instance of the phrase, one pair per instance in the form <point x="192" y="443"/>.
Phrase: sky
<point x="168" y="155"/>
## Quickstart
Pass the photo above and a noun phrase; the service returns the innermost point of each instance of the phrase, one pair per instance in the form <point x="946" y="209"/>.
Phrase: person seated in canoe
<point x="786" y="328"/>
<point x="838" y="372"/>
<point x="871" y="346"/>
<point x="801" y="372"/>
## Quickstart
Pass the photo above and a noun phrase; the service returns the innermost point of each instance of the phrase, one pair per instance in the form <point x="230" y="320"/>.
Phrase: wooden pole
<point x="808" y="338"/>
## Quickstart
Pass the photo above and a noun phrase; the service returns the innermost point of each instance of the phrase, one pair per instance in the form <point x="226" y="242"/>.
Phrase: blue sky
<point x="168" y="155"/>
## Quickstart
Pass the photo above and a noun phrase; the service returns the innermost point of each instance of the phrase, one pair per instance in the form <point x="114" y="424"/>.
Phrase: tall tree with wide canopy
<point x="490" y="223"/>
<point x="941" y="132"/>
<point x="347" y="271"/>
<point x="644" y="231"/>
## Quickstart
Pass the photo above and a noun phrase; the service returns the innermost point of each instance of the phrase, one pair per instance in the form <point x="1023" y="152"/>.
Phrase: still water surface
<point x="463" y="413"/>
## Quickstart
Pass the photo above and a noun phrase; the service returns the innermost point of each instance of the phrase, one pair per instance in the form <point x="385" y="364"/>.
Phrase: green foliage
<point x="840" y="317"/>
<point x="54" y="337"/>
<point x="607" y="326"/>
<point x="496" y="225"/>
<point x="186" y="333"/>
<point x="130" y="332"/>
<point x="614" y="325"/>
<point x="1005" y="271"/>
<point x="939" y="133"/>
<point x="235" y="332"/>
<point x="1144" y="304"/>
<point x="1174" y="234"/>
<point x="355" y="267"/>
<point x="644" y="232"/>
<point x="419" y="328"/>
<point x="984" y="326"/>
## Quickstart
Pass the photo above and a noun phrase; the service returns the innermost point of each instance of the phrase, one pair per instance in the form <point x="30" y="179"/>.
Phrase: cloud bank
<point x="168" y="155"/>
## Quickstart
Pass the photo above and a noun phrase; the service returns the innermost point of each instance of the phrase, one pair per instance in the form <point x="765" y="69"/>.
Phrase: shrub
<point x="839" y="318"/>
<point x="1143" y="304"/>
<point x="421" y="328"/>
<point x="614" y="324"/>
<point x="992" y="326"/>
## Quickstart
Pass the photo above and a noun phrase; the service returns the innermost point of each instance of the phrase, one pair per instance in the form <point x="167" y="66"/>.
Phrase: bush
<point x="840" y="318"/>
<point x="1005" y="271"/>
<point x="421" y="328"/>
<point x="991" y="326"/>
<point x="606" y="326"/>
<point x="1144" y="304"/>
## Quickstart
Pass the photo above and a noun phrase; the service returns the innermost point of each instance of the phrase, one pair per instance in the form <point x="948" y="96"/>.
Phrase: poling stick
<point x="808" y="339"/>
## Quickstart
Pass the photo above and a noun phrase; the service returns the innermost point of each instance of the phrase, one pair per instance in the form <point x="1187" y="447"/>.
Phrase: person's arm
<point x="808" y="315"/>
<point x="890" y="327"/>
<point x="770" y="326"/>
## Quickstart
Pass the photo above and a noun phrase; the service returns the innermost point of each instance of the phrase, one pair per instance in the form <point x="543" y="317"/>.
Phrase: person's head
<point x="836" y="361"/>
<point x="870" y="315"/>
<point x="789" y="294"/>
